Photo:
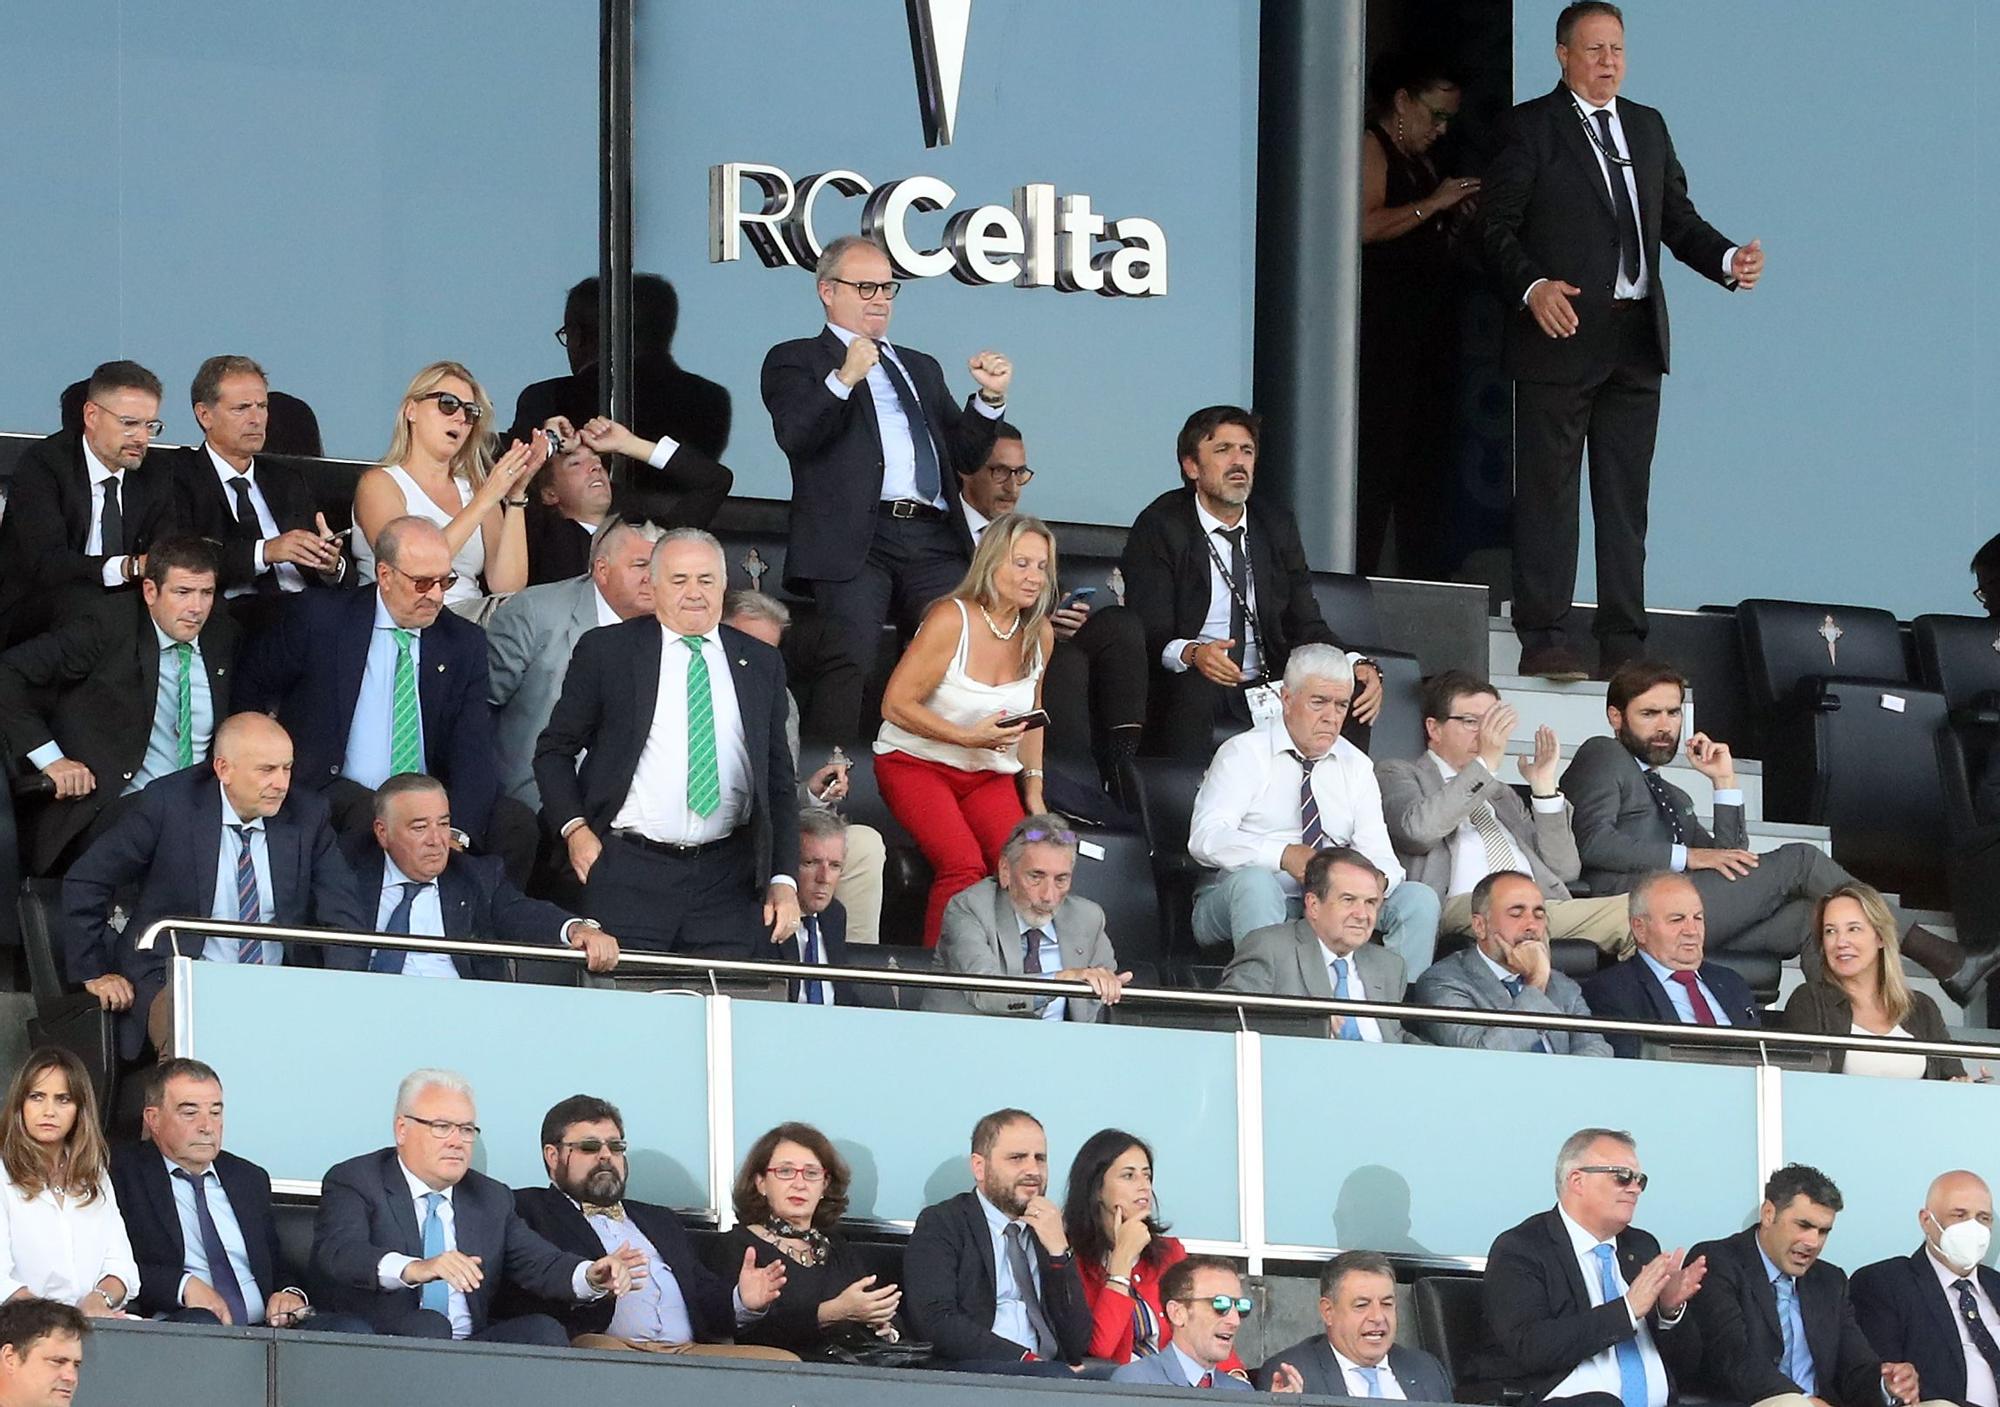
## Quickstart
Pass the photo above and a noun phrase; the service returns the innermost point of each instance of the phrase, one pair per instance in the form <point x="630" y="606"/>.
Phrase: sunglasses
<point x="1222" y="1304"/>
<point x="1038" y="835"/>
<point x="1623" y="1176"/>
<point x="450" y="405"/>
<point x="594" y="1146"/>
<point x="425" y="585"/>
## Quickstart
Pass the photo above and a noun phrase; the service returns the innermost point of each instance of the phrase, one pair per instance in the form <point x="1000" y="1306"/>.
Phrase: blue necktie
<point x="1631" y="1363"/>
<point x="391" y="959"/>
<point x="1371" y="1376"/>
<point x="1798" y="1363"/>
<point x="436" y="1294"/>
<point x="814" y="996"/>
<point x="920" y="429"/>
<point x="249" y="908"/>
<point x="221" y="1274"/>
<point x="1350" y="1029"/>
<point x="1514" y="985"/>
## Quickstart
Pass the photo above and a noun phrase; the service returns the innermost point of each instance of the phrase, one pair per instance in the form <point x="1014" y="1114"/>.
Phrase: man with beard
<point x="679" y="1305"/>
<point x="1013" y="1304"/>
<point x="1630" y="821"/>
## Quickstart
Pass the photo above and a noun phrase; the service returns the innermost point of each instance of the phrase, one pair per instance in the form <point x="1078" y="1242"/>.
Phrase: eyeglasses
<point x="868" y="288"/>
<point x="1623" y="1176"/>
<point x="785" y="1172"/>
<point x="425" y="585"/>
<point x="594" y="1146"/>
<point x="1001" y="471"/>
<point x="1059" y="837"/>
<point x="1222" y="1304"/>
<point x="450" y="405"/>
<point x="131" y="422"/>
<point x="562" y="336"/>
<point x="445" y="1128"/>
<point x="1470" y="720"/>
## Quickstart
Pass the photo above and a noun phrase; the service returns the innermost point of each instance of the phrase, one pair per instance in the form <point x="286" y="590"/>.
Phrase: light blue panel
<point x="310" y="1061"/>
<point x="1864" y="1134"/>
<point x="899" y="1092"/>
<point x="1421" y="1150"/>
<point x="1147" y="106"/>
<point x="1835" y="419"/>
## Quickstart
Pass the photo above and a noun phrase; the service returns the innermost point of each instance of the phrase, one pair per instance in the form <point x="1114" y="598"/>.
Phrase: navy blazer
<point x="1743" y="1345"/>
<point x="951" y="1287"/>
<point x="711" y="1310"/>
<point x="477" y="902"/>
<point x="833" y="939"/>
<point x="1630" y="992"/>
<point x="606" y="709"/>
<point x="168" y="846"/>
<point x="1908" y="1318"/>
<point x="146" y="1200"/>
<point x="307" y="671"/>
<point x="366" y="1211"/>
<point x="1423" y="1377"/>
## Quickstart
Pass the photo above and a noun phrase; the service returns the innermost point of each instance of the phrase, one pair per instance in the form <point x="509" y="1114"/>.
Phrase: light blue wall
<point x="1830" y="435"/>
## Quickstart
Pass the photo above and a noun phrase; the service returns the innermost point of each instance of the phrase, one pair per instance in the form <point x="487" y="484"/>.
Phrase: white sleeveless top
<point x="963" y="700"/>
<point x="471" y="558"/>
<point x="1880" y="1064"/>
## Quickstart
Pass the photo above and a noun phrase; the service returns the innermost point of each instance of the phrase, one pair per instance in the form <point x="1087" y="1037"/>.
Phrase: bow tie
<point x="615" y="1210"/>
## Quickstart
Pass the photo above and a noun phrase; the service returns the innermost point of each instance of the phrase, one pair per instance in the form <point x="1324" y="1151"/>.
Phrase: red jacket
<point x="1113" y="1316"/>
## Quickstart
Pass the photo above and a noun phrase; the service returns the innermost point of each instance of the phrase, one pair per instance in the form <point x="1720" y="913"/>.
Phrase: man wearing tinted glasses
<point x="1553" y="1282"/>
<point x="1204" y="1300"/>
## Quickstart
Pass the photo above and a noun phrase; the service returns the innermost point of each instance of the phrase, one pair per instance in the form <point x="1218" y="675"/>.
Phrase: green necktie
<point x="406" y="744"/>
<point x="184" y="705"/>
<point x="704" y="783"/>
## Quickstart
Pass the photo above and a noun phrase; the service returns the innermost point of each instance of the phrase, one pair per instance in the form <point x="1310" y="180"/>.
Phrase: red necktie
<point x="1207" y="1380"/>
<point x="1703" y="1015"/>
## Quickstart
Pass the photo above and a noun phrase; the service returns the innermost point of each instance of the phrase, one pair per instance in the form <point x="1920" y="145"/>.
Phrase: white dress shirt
<point x="657" y="805"/>
<point x="1357" y="1385"/>
<point x="59" y="1248"/>
<point x="371" y="732"/>
<point x="1980" y="1388"/>
<point x="1247" y="810"/>
<point x="899" y="455"/>
<point x="1215" y="626"/>
<point x="654" y="1310"/>
<point x="1357" y="991"/>
<point x="605" y="616"/>
<point x="1728" y="796"/>
<point x="1468" y="847"/>
<point x="1050" y="951"/>
<point x="267" y="526"/>
<point x="101" y="475"/>
<point x="426" y="917"/>
<point x="976" y="522"/>
<point x="1599" y="1373"/>
<point x="223" y="903"/>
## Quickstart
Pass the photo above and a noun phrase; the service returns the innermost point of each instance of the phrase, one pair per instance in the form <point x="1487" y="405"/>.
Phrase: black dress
<point x="793" y="1321"/>
<point x="1408" y="350"/>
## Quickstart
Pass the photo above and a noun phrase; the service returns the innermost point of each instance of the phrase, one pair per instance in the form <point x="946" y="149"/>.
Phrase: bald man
<point x="1936" y="1307"/>
<point x="229" y="839"/>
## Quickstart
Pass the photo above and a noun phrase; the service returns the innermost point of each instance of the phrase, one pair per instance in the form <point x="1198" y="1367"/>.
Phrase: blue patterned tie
<point x="1312" y="834"/>
<point x="221" y="1274"/>
<point x="436" y="1294"/>
<point x="814" y="996"/>
<point x="1371" y="1376"/>
<point x="1350" y="1029"/>
<point x="249" y="907"/>
<point x="1798" y="1356"/>
<point x="391" y="959"/>
<point x="1631" y="1363"/>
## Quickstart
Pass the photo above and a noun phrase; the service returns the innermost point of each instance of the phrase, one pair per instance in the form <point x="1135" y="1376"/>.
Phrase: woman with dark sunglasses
<point x="440" y="466"/>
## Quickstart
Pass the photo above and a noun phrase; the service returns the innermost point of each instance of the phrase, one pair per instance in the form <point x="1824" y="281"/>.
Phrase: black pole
<point x="614" y="210"/>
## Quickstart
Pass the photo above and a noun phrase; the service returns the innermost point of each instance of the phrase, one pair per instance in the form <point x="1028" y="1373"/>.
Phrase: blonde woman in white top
<point x="61" y="1237"/>
<point x="945" y="765"/>
<point x="440" y="466"/>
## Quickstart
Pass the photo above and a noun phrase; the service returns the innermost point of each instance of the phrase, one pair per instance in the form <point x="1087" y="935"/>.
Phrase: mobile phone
<point x="1081" y="593"/>
<point x="336" y="535"/>
<point x="1034" y="718"/>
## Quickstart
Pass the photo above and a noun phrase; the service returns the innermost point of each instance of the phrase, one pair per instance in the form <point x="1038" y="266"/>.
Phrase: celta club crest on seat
<point x="1831" y="632"/>
<point x="1115" y="584"/>
<point x="754" y="567"/>
<point x="1996" y="645"/>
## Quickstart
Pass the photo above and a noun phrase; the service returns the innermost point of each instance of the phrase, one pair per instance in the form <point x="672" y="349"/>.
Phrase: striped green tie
<point x="704" y="782"/>
<point x="184" y="706"/>
<point x="406" y="743"/>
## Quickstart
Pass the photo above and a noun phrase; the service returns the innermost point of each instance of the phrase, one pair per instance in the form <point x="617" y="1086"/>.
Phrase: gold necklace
<point x="996" y="629"/>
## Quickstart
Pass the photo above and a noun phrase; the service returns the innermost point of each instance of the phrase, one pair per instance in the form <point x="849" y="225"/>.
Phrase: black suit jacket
<point x="558" y="547"/>
<point x="667" y="400"/>
<point x="1423" y="1377"/>
<point x="1907" y="1317"/>
<point x="560" y="1222"/>
<point x="307" y="671"/>
<point x="835" y="450"/>
<point x="607" y="708"/>
<point x="146" y="1201"/>
<point x="1167" y="567"/>
<point x="950" y="1287"/>
<point x="1540" y="1313"/>
<point x="478" y="904"/>
<point x="90" y="686"/>
<point x="205" y="508"/>
<point x="366" y="1211"/>
<point x="168" y="845"/>
<point x="1546" y="212"/>
<point x="1630" y="992"/>
<point x="1743" y="1346"/>
<point x="43" y="566"/>
<point x="833" y="939"/>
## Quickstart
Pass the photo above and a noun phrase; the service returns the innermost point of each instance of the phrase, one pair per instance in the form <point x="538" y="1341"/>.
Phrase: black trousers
<point x="1616" y="414"/>
<point x="702" y="905"/>
<point x="911" y="563"/>
<point x="512" y="832"/>
<point x="1189" y="714"/>
<point x="1096" y="683"/>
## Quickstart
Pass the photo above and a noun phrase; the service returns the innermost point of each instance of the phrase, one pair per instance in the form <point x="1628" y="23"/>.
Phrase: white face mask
<point x="1964" y="1243"/>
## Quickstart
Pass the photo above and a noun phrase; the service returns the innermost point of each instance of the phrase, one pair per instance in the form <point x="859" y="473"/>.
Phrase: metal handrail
<point x="1728" y="1036"/>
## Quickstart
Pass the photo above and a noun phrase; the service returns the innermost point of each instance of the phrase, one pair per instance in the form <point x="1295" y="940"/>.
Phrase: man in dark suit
<point x="988" y="1275"/>
<point x="228" y="840"/>
<point x="98" y="703"/>
<point x="683" y="825"/>
<point x="1936" y="1307"/>
<point x="420" y="1245"/>
<point x="81" y="511"/>
<point x="385" y="680"/>
<point x="1222" y="586"/>
<point x="409" y="879"/>
<point x="1776" y="1323"/>
<point x="261" y="513"/>
<point x="1669" y="979"/>
<point x="678" y="1305"/>
<point x="1357" y="1304"/>
<point x="1576" y="204"/>
<point x="870" y="429"/>
<point x="1581" y="1303"/>
<point x="821" y="938"/>
<point x="571" y="494"/>
<point x="200" y="1219"/>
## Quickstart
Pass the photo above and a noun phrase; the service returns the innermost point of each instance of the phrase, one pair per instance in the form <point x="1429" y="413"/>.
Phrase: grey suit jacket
<point x="1620" y="833"/>
<point x="528" y="643"/>
<point x="981" y="937"/>
<point x="1423" y="1378"/>
<point x="1423" y="810"/>
<point x="1464" y="980"/>
<point x="1288" y="960"/>
<point x="1163" y="1369"/>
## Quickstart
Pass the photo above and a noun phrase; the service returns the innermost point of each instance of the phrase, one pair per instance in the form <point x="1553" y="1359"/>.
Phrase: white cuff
<point x="744" y="1313"/>
<point x="991" y="412"/>
<point x="45" y="754"/>
<point x="257" y="556"/>
<point x="1733" y="796"/>
<point x="389" y="1270"/>
<point x="1170" y="658"/>
<point x="114" y="571"/>
<point x="1548" y="805"/>
<point x="1729" y="262"/>
<point x="181" y="1290"/>
<point x="1529" y="291"/>
<point x="1679" y="863"/>
<point x="841" y="390"/>
<point x="580" y="1286"/>
<point x="785" y="880"/>
<point x="664" y="448"/>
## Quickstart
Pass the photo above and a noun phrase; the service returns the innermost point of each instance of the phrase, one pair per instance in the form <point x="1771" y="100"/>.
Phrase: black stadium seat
<point x="69" y="1019"/>
<point x="1162" y="790"/>
<point x="1959" y="656"/>
<point x="1451" y="1324"/>
<point x="1348" y="603"/>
